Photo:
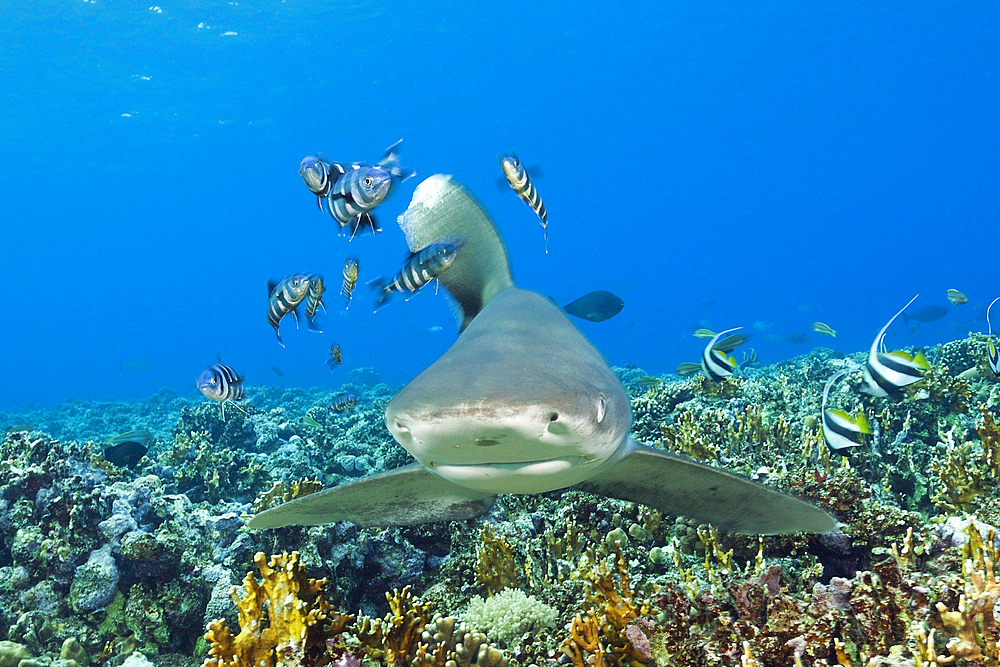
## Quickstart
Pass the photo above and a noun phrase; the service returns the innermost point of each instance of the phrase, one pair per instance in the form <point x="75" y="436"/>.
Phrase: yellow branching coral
<point x="281" y="618"/>
<point x="496" y="562"/>
<point x="605" y="632"/>
<point x="280" y="493"/>
<point x="974" y="623"/>
<point x="395" y="638"/>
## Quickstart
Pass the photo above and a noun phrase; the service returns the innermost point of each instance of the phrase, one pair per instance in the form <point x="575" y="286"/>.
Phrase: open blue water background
<point x="716" y="164"/>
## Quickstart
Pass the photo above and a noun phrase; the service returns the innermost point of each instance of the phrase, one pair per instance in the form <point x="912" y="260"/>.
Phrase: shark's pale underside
<point x="523" y="403"/>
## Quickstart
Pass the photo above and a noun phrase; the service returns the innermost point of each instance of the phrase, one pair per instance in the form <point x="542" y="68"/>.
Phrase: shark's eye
<point x="602" y="410"/>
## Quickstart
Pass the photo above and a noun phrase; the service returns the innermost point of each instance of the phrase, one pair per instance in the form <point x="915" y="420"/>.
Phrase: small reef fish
<point x="596" y="306"/>
<point x="688" y="369"/>
<point x="716" y="364"/>
<point x="221" y="383"/>
<point x="888" y="372"/>
<point x="750" y="359"/>
<point x="421" y="268"/>
<point x="314" y="300"/>
<point x="798" y="338"/>
<point x="926" y="314"/>
<point x="284" y="297"/>
<point x="841" y="431"/>
<point x="138" y="435"/>
<point x="992" y="356"/>
<point x="704" y="333"/>
<point x="344" y="403"/>
<point x="956" y="297"/>
<point x="825" y="329"/>
<point x="352" y="191"/>
<point x="521" y="183"/>
<point x="650" y="382"/>
<point x="351" y="269"/>
<point x="277" y="371"/>
<point x="334" y="359"/>
<point x="309" y="421"/>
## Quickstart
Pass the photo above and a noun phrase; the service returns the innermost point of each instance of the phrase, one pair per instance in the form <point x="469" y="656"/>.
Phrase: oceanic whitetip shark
<point x="523" y="403"/>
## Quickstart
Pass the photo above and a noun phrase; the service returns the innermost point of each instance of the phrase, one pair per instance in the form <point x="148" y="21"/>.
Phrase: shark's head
<point x="522" y="403"/>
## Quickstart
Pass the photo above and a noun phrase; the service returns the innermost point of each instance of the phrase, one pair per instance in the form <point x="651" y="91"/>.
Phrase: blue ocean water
<point x="715" y="164"/>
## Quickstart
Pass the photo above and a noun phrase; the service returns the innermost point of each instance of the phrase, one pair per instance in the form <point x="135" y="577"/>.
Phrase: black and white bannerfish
<point x="314" y="300"/>
<point x="221" y="383"/>
<point x="519" y="180"/>
<point x="351" y="269"/>
<point x="352" y="191"/>
<point x="716" y="364"/>
<point x="841" y="431"/>
<point x="888" y="372"/>
<point x="421" y="268"/>
<point x="284" y="297"/>
<point x="991" y="348"/>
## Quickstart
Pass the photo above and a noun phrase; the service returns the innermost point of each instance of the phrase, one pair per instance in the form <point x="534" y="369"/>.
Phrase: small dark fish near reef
<point x="344" y="403"/>
<point x="221" y="383"/>
<point x="284" y="297"/>
<point x="125" y="454"/>
<point x="334" y="359"/>
<point x="521" y="183"/>
<point x="596" y="306"/>
<point x="421" y="268"/>
<point x="926" y="314"/>
<point x="352" y="191"/>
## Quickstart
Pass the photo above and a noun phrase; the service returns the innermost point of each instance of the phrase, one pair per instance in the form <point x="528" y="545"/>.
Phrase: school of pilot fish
<point x="350" y="192"/>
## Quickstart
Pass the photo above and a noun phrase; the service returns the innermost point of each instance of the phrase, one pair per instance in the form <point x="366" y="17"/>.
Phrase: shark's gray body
<point x="523" y="403"/>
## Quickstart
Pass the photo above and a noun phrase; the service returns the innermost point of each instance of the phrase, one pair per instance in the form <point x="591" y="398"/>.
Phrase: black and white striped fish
<point x="344" y="403"/>
<point x="335" y="359"/>
<point x="352" y="191"/>
<point x="351" y="269"/>
<point x="284" y="297"/>
<point x="716" y="365"/>
<point x="221" y="383"/>
<point x="887" y="372"/>
<point x="992" y="357"/>
<point x="314" y="300"/>
<point x="519" y="180"/>
<point x="421" y="268"/>
<point x="841" y="431"/>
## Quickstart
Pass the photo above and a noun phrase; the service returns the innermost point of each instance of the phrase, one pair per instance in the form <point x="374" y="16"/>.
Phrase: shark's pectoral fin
<point x="401" y="497"/>
<point x="677" y="485"/>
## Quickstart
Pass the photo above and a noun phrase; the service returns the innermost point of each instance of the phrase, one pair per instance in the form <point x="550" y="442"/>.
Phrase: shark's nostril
<point x="554" y="416"/>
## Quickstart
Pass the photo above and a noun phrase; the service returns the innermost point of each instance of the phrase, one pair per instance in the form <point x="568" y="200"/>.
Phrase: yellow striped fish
<point x="519" y="180"/>
<point x="350" y="279"/>
<point x="993" y="357"/>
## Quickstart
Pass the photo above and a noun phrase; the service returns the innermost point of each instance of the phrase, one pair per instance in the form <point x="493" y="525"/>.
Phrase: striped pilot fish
<point x="841" y="431"/>
<point x="344" y="403"/>
<point x="314" y="299"/>
<point x="335" y="359"/>
<point x="284" y="297"/>
<point x="421" y="268"/>
<point x="992" y="357"/>
<point x="351" y="268"/>
<point x="519" y="180"/>
<point x="887" y="372"/>
<point x="352" y="191"/>
<point x="716" y="364"/>
<point x="221" y="383"/>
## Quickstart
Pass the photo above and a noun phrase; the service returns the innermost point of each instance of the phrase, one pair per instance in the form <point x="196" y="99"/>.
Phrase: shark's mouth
<point x="520" y="477"/>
